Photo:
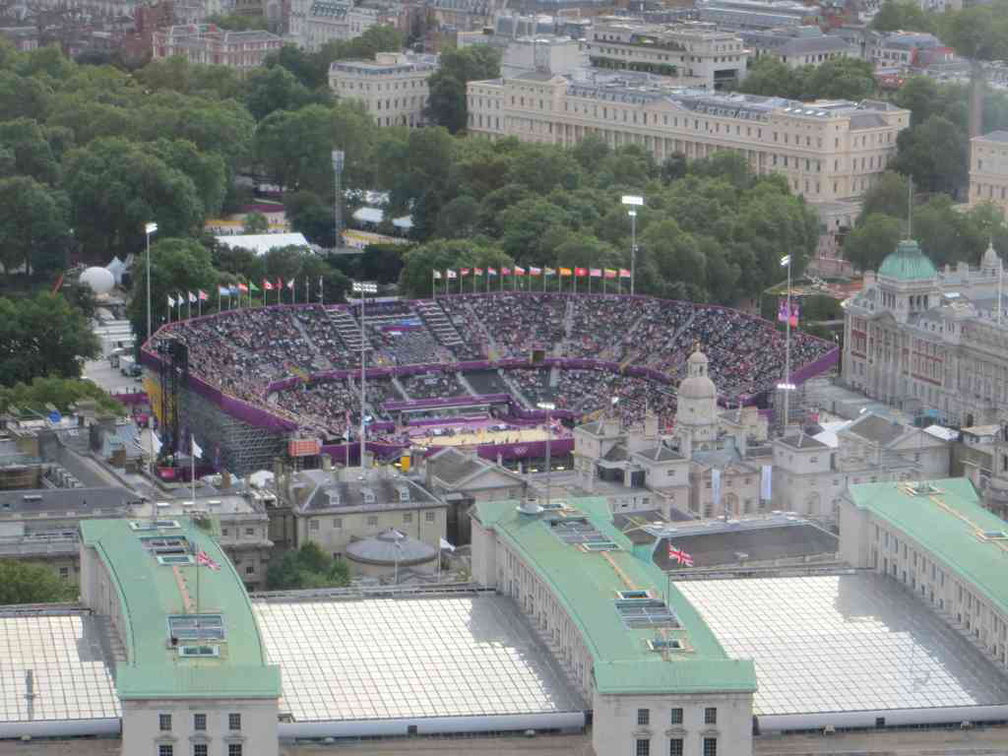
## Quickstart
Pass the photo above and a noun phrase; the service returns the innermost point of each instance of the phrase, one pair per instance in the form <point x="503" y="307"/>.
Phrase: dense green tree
<point x="312" y="69"/>
<point x="888" y="195"/>
<point x="307" y="567"/>
<point x="673" y="167"/>
<point x="116" y="186"/>
<point x="207" y="170"/>
<point x="977" y="32"/>
<point x="935" y="154"/>
<point x="238" y="21"/>
<point x="23" y="97"/>
<point x="32" y="153"/>
<point x="447" y="99"/>
<point x="308" y="215"/>
<point x="294" y="147"/>
<point x="272" y="89"/>
<point x="771" y="77"/>
<point x="33" y="225"/>
<point x="874" y="238"/>
<point x="43" y="336"/>
<point x="176" y="265"/>
<point x="61" y="393"/>
<point x="902" y="15"/>
<point x="255" y="223"/>
<point x="458" y="219"/>
<point x="919" y="95"/>
<point x="32" y="583"/>
<point x="843" y="78"/>
<point x="420" y="262"/>
<point x="525" y="227"/>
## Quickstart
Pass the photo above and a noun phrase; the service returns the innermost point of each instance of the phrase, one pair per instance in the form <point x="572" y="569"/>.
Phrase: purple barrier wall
<point x="422" y="421"/>
<point x="814" y="368"/>
<point x="558" y="448"/>
<point x="450" y="401"/>
<point x="131" y="399"/>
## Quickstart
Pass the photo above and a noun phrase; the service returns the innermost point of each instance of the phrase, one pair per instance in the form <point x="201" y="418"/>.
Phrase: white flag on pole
<point x="766" y="482"/>
<point x="716" y="488"/>
<point x="171" y="302"/>
<point x="196" y="450"/>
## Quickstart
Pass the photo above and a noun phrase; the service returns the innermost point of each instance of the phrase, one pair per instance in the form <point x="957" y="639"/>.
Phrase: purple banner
<point x="450" y="401"/>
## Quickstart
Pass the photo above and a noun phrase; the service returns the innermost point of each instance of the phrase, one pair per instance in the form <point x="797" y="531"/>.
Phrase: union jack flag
<point x="679" y="556"/>
<point x="204" y="559"/>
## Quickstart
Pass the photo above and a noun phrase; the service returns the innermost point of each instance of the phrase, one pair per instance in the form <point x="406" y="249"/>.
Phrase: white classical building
<point x="194" y="678"/>
<point x="988" y="172"/>
<point x="936" y="539"/>
<point x="826" y="150"/>
<point x="657" y="679"/>
<point x="696" y="55"/>
<point x="930" y="341"/>
<point x="811" y="474"/>
<point x="393" y="87"/>
<point x="639" y="469"/>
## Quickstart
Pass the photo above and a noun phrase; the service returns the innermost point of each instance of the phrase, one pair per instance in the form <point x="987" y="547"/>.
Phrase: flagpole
<point x="433" y="285"/>
<point x="192" y="467"/>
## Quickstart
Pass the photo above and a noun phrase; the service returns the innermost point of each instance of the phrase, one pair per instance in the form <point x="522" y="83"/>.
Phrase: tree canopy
<point x="42" y="336"/>
<point x="31" y="583"/>
<point x="840" y="78"/>
<point x="447" y="100"/>
<point x="307" y="567"/>
<point x="62" y="393"/>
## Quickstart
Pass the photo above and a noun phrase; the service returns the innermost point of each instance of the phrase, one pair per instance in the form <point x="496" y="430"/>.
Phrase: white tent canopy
<point x="262" y="243"/>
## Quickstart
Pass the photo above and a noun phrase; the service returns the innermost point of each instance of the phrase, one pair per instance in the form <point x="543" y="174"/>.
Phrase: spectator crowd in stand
<point x="432" y="385"/>
<point x="242" y="351"/>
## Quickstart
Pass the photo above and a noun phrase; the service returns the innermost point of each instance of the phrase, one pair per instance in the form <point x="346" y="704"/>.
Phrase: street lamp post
<point x="786" y="386"/>
<point x="549" y="407"/>
<point x="633" y="202"/>
<point x="363" y="288"/>
<point x="149" y="229"/>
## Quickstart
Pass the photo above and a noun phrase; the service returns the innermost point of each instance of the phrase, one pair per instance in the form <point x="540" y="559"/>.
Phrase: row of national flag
<point x="534" y="271"/>
<point x="181" y="298"/>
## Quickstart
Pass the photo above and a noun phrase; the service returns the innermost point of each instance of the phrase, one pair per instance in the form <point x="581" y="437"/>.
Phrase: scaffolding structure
<point x="229" y="443"/>
<point x="174" y="377"/>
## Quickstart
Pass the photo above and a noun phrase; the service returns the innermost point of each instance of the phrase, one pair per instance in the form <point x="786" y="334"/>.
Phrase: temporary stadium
<point x="481" y="370"/>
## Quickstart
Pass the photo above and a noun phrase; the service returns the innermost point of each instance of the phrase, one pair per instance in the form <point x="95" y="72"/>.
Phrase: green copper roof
<point x="907" y="263"/>
<point x="950" y="523"/>
<point x="150" y="592"/>
<point x="586" y="584"/>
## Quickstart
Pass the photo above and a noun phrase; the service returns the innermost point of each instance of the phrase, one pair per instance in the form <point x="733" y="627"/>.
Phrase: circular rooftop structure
<point x="390" y="547"/>
<point x="907" y="263"/>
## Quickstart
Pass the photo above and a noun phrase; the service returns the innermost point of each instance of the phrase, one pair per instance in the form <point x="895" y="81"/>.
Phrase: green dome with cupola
<point x="907" y="263"/>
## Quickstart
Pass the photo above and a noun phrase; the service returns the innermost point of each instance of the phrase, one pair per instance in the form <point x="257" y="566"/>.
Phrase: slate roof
<point x="452" y="466"/>
<point x="111" y="501"/>
<point x="877" y="429"/>
<point x="723" y="547"/>
<point x="803" y="441"/>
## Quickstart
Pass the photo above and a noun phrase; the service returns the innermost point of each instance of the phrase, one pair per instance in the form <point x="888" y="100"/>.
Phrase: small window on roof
<point x="174" y="559"/>
<point x="202" y="651"/>
<point x="185" y="627"/>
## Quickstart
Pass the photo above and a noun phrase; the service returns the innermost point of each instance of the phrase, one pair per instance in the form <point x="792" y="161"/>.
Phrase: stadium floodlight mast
<point x="786" y="386"/>
<point x="149" y="228"/>
<point x="363" y="288"/>
<point x="633" y="202"/>
<point x="549" y="407"/>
